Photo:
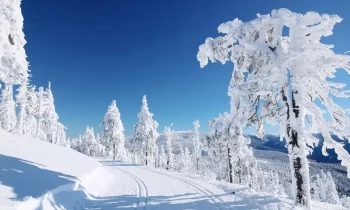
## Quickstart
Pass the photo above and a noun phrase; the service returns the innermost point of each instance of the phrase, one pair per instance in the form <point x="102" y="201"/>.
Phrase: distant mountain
<point x="272" y="142"/>
<point x="268" y="142"/>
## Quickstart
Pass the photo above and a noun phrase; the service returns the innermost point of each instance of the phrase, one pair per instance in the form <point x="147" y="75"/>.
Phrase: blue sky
<point x="96" y="51"/>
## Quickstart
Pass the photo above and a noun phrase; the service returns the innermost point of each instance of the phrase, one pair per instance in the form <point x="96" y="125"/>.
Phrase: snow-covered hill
<point x="36" y="174"/>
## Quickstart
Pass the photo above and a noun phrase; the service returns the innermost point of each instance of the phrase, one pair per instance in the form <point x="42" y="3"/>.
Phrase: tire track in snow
<point x="141" y="200"/>
<point x="218" y="202"/>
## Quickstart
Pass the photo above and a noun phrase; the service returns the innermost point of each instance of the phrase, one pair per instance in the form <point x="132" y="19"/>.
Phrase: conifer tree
<point x="145" y="134"/>
<point x="113" y="132"/>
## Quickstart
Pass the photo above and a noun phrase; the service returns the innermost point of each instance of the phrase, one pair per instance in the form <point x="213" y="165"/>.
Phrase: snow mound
<point x="38" y="175"/>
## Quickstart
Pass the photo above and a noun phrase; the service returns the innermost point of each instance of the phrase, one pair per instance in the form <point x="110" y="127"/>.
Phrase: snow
<point x="38" y="175"/>
<point x="35" y="173"/>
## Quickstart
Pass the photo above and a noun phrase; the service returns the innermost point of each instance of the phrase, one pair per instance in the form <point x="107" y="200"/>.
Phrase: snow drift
<point x="35" y="174"/>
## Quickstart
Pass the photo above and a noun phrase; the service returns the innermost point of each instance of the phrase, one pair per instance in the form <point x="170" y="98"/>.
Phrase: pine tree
<point x="21" y="99"/>
<point x="39" y="133"/>
<point x="89" y="142"/>
<point x="145" y="134"/>
<point x="31" y="110"/>
<point x="113" y="132"/>
<point x="7" y="109"/>
<point x="197" y="152"/>
<point x="323" y="188"/>
<point x="170" y="145"/>
<point x="50" y="117"/>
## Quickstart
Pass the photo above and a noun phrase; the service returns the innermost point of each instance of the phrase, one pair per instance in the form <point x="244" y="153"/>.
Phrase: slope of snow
<point x="35" y="174"/>
<point x="140" y="187"/>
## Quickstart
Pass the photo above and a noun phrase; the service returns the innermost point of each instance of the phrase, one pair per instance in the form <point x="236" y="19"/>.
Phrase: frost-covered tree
<point x="13" y="63"/>
<point x="187" y="160"/>
<point x="50" y="117"/>
<point x="89" y="143"/>
<point x="169" y="134"/>
<point x="145" y="133"/>
<point x="291" y="72"/>
<point x="31" y="110"/>
<point x="14" y="67"/>
<point x="162" y="157"/>
<point x="228" y="151"/>
<point x="113" y="132"/>
<point x="39" y="133"/>
<point x="180" y="157"/>
<point x="7" y="109"/>
<point x="197" y="152"/>
<point x="21" y="99"/>
<point x="323" y="188"/>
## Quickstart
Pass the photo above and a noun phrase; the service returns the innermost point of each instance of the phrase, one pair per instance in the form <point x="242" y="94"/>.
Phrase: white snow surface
<point x="35" y="174"/>
<point x="38" y="175"/>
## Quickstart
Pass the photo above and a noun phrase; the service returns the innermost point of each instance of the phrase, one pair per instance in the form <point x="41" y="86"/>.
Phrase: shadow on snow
<point x="27" y="179"/>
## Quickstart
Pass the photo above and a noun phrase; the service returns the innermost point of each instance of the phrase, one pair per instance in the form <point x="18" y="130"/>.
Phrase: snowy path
<point x="141" y="188"/>
<point x="137" y="187"/>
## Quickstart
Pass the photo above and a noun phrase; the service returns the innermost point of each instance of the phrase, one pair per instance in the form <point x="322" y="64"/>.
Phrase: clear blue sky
<point x="95" y="51"/>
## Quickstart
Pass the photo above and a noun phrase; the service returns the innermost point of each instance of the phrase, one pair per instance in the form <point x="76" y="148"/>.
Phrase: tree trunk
<point x="146" y="158"/>
<point x="229" y="165"/>
<point x="167" y="164"/>
<point x="114" y="148"/>
<point x="297" y="154"/>
<point x="19" y="125"/>
<point x="197" y="165"/>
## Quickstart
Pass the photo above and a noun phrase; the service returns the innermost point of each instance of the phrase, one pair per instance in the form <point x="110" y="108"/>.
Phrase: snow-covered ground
<point x="38" y="175"/>
<point x="35" y="174"/>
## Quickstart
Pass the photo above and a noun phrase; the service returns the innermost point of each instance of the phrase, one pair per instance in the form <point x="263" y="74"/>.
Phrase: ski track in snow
<point x="159" y="190"/>
<point x="218" y="202"/>
<point x="142" y="189"/>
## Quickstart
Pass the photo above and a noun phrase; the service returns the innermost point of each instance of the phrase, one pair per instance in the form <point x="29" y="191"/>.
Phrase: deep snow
<point x="35" y="173"/>
<point x="39" y="175"/>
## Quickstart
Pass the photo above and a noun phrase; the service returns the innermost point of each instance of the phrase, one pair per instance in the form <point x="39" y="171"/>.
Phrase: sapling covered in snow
<point x="145" y="134"/>
<point x="7" y="109"/>
<point x="113" y="132"/>
<point x="228" y="151"/>
<point x="323" y="188"/>
<point x="31" y="110"/>
<point x="293" y="71"/>
<point x="89" y="143"/>
<point x="197" y="152"/>
<point x="169" y="134"/>
<point x="49" y="115"/>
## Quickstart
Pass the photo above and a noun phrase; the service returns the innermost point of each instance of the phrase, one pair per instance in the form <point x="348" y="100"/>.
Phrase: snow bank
<point x="38" y="175"/>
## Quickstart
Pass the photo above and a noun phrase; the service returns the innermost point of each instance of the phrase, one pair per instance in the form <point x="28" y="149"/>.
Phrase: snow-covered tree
<point x="89" y="143"/>
<point x="228" y="151"/>
<point x="113" y="132"/>
<point x="180" y="158"/>
<point x="187" y="160"/>
<point x="169" y="134"/>
<point x="145" y="133"/>
<point x="30" y="114"/>
<point x="39" y="133"/>
<point x="162" y="157"/>
<point x="21" y="99"/>
<point x="197" y="152"/>
<point x="323" y="188"/>
<point x="289" y="73"/>
<point x="7" y="108"/>
<point x="50" y="117"/>
<point x="14" y="67"/>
